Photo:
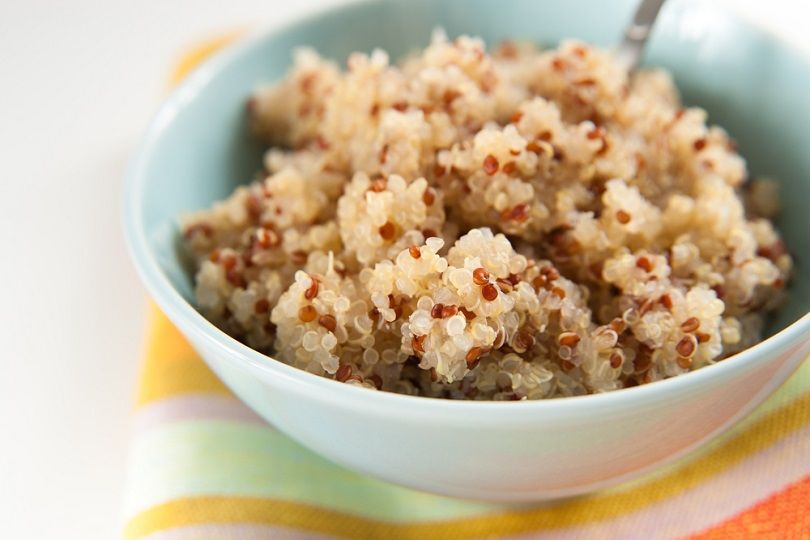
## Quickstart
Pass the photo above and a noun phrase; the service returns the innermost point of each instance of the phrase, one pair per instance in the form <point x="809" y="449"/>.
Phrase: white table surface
<point x="79" y="81"/>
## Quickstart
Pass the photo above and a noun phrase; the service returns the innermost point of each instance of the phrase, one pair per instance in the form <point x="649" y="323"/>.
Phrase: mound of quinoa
<point x="520" y="224"/>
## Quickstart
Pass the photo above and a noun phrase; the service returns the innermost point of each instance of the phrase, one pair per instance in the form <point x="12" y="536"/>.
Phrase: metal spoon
<point x="635" y="36"/>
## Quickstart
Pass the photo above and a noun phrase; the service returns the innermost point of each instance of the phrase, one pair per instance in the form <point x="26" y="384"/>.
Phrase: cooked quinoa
<point x="519" y="224"/>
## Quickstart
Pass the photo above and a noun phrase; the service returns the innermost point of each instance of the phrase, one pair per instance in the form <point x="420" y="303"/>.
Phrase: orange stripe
<point x="782" y="515"/>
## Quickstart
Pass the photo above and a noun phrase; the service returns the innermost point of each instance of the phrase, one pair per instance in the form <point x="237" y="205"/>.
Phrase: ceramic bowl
<point x="197" y="149"/>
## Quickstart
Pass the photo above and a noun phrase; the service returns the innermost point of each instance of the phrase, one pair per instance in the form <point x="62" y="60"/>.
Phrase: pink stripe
<point x="712" y="502"/>
<point x="236" y="531"/>
<point x="193" y="407"/>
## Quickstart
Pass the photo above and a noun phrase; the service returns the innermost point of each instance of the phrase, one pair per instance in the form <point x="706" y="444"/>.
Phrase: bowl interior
<point x="199" y="149"/>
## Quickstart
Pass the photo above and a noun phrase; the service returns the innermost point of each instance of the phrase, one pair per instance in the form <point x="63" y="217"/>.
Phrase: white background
<point x="78" y="83"/>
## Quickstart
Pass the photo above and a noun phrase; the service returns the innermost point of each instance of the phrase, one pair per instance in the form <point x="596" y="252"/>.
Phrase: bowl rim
<point x="189" y="320"/>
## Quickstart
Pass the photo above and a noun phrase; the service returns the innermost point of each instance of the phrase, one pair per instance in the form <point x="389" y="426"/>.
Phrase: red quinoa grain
<point x="644" y="263"/>
<point x="569" y="339"/>
<point x="307" y="313"/>
<point x="299" y="256"/>
<point x="691" y="324"/>
<point x="480" y="276"/>
<point x="312" y="290"/>
<point x="474" y="354"/>
<point x="343" y="373"/>
<point x="261" y="306"/>
<point x="491" y="165"/>
<point x="418" y="343"/>
<point x="328" y="321"/>
<point x="387" y="231"/>
<point x="686" y="346"/>
<point x="429" y="197"/>
<point x="534" y="148"/>
<point x="449" y="311"/>
<point x="378" y="185"/>
<point x="489" y="292"/>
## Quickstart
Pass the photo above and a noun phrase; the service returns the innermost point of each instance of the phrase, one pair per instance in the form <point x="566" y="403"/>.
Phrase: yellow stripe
<point x="195" y="56"/>
<point x="172" y="367"/>
<point x="251" y="510"/>
<point x="188" y="511"/>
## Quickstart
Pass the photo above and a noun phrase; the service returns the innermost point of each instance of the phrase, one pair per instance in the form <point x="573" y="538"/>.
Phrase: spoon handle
<point x="636" y="34"/>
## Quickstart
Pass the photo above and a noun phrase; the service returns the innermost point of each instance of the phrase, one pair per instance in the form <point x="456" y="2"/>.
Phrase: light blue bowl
<point x="198" y="149"/>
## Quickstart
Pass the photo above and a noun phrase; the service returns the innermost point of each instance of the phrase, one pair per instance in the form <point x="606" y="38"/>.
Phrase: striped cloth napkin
<point x="203" y="466"/>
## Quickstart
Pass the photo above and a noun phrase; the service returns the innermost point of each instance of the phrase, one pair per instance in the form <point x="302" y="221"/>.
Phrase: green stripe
<point x="201" y="457"/>
<point x="219" y="457"/>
